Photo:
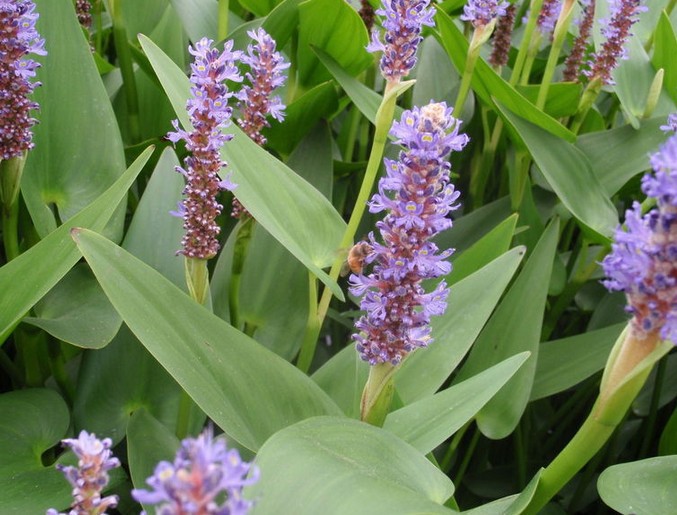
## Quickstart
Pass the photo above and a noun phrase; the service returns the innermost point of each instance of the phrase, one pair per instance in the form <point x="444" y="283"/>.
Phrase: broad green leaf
<point x="259" y="7"/>
<point x="77" y="311"/>
<point x="301" y="116"/>
<point x="645" y="487"/>
<point x="515" y="327"/>
<point x="141" y="17"/>
<point x="424" y="371"/>
<point x="199" y="18"/>
<point x="235" y="381"/>
<point x="643" y="404"/>
<point x="665" y="50"/>
<point x="335" y="466"/>
<point x="562" y="98"/>
<point x="489" y="86"/>
<point x="569" y="173"/>
<point x="148" y="443"/>
<point x="436" y="78"/>
<point x="336" y="28"/>
<point x="668" y="442"/>
<point x="565" y="363"/>
<point x="490" y="247"/>
<point x="78" y="152"/>
<point x="427" y="423"/>
<point x="470" y="304"/>
<point x="282" y="21"/>
<point x="26" y="279"/>
<point x="290" y="209"/>
<point x="32" y="421"/>
<point x="617" y="155"/>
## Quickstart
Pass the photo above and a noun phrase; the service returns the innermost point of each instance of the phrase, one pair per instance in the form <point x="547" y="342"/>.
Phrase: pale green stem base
<point x="377" y="394"/>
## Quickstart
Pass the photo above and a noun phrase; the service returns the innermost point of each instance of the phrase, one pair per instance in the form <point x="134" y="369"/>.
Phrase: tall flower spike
<point x="502" y="37"/>
<point x="573" y="62"/>
<point x="483" y="12"/>
<point x="624" y="14"/>
<point x="547" y="18"/>
<point x="83" y="8"/>
<point x="19" y="38"/>
<point x="205" y="478"/>
<point x="90" y="477"/>
<point x="643" y="261"/>
<point x="398" y="310"/>
<point x="209" y="113"/>
<point x="403" y="22"/>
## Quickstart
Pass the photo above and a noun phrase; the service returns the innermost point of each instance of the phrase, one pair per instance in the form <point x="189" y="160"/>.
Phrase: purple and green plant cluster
<point x="447" y="282"/>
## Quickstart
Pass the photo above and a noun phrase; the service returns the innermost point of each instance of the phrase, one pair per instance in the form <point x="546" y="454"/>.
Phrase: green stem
<point x="10" y="231"/>
<point x="467" y="457"/>
<point x="451" y="450"/>
<point x="535" y="9"/>
<point x="223" y="19"/>
<point x="532" y="50"/>
<point x="184" y="415"/>
<point x="312" y="330"/>
<point x="126" y="69"/>
<point x="11" y="369"/>
<point x="479" y="36"/>
<point x="243" y="238"/>
<point x="377" y="394"/>
<point x="58" y="368"/>
<point x="588" y="98"/>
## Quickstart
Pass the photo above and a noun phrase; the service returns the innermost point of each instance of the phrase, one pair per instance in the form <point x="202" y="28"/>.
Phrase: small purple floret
<point x="643" y="261"/>
<point x="403" y="21"/>
<point x="483" y="12"/>
<point x="417" y="197"/>
<point x="671" y="125"/>
<point x="547" y="18"/>
<point x="205" y="478"/>
<point x="19" y="38"/>
<point x="209" y="114"/>
<point x="90" y="477"/>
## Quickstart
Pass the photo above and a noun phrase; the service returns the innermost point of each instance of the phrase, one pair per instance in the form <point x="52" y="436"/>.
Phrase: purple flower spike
<point x="209" y="113"/>
<point x="403" y="22"/>
<point x="90" y="477"/>
<point x="503" y="37"/>
<point x="398" y="309"/>
<point x="624" y="14"/>
<point x="671" y="125"/>
<point x="547" y="18"/>
<point x="265" y="75"/>
<point x="483" y="12"/>
<point x="19" y="38"/>
<point x="643" y="260"/>
<point x="205" y="478"/>
<point x="578" y="52"/>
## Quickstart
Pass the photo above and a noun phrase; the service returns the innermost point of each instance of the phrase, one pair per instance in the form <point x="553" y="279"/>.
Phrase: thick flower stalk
<point x="503" y="37"/>
<point x="205" y="478"/>
<point x="482" y="12"/>
<point x="19" y="38"/>
<point x="90" y="477"/>
<point x="403" y="22"/>
<point x="573" y="62"/>
<point x="209" y="114"/>
<point x="417" y="196"/>
<point x="643" y="262"/>
<point x="623" y="15"/>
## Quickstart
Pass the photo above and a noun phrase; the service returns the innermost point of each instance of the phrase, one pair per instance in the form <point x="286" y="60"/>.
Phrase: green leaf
<point x="427" y="423"/>
<point x="282" y="21"/>
<point x="290" y="209"/>
<point x="619" y="154"/>
<point x="199" y="18"/>
<point x="26" y="279"/>
<point x="436" y="78"/>
<point x="235" y="381"/>
<point x="78" y="152"/>
<point x="645" y="487"/>
<point x="668" y="442"/>
<point x="335" y="27"/>
<point x="569" y="173"/>
<point x="489" y="86"/>
<point x="515" y="327"/>
<point x="259" y="7"/>
<point x="562" y="98"/>
<point x="336" y="466"/>
<point x="665" y="50"/>
<point x="32" y="421"/>
<point x="77" y="311"/>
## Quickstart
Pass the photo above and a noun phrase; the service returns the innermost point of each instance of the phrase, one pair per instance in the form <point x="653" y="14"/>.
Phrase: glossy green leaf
<point x="643" y="403"/>
<point x="515" y="327"/>
<point x="336" y="466"/>
<point x="301" y="116"/>
<point x="69" y="168"/>
<point x="282" y="21"/>
<point x="645" y="487"/>
<point x="259" y="7"/>
<point x="565" y="363"/>
<point x="235" y="381"/>
<point x="665" y="50"/>
<point x="199" y="18"/>
<point x="668" y="442"/>
<point x="32" y="421"/>
<point x="335" y="27"/>
<point x="617" y="155"/>
<point x="290" y="209"/>
<point x="489" y="86"/>
<point x="436" y="78"/>
<point x="427" y="423"/>
<point x="566" y="168"/>
<point x="562" y="98"/>
<point x="26" y="279"/>
<point x="77" y="311"/>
